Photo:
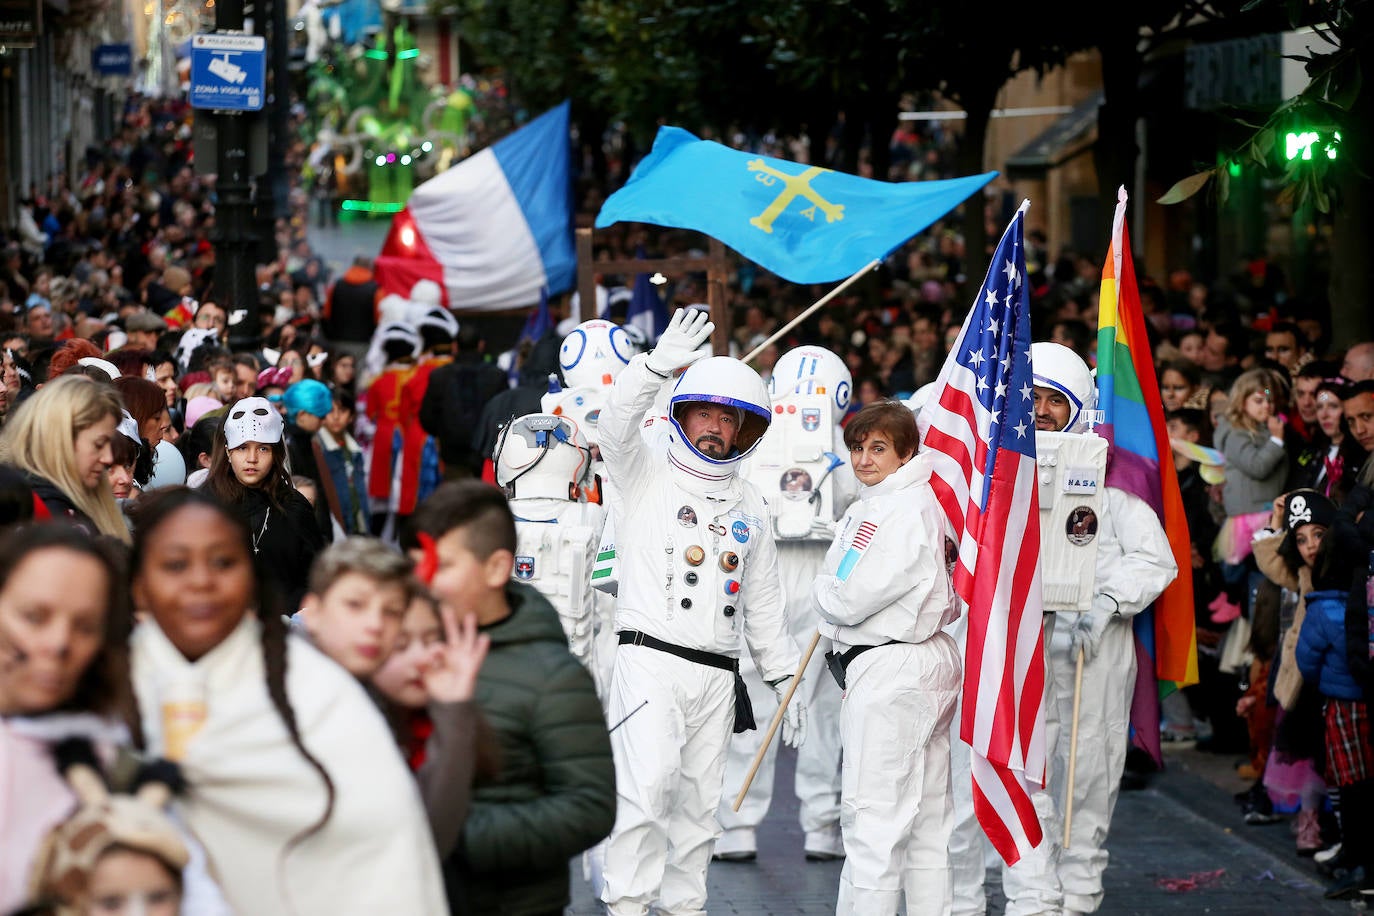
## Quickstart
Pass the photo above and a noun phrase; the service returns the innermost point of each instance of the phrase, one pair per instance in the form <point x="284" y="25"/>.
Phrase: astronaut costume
<point x="801" y="465"/>
<point x="591" y="356"/>
<point x="543" y="464"/>
<point x="1134" y="564"/>
<point x="883" y="598"/>
<point x="698" y="570"/>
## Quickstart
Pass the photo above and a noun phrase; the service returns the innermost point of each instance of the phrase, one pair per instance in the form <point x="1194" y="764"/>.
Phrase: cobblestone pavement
<point x="1184" y="824"/>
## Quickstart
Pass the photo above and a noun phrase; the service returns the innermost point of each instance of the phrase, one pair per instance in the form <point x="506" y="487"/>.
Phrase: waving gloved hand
<point x="1090" y="625"/>
<point x="793" y="715"/>
<point x="677" y="348"/>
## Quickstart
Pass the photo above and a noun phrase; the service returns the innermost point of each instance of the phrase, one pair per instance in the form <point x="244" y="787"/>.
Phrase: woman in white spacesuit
<point x="883" y="597"/>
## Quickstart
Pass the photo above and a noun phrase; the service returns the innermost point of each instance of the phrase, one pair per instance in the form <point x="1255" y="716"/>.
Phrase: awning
<point x="1066" y="138"/>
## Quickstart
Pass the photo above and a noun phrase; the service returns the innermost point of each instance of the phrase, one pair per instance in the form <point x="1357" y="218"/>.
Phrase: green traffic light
<point x="1300" y="144"/>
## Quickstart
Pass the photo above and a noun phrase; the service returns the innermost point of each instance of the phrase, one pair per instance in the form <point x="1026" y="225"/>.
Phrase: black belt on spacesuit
<point x="744" y="710"/>
<point x="838" y="662"/>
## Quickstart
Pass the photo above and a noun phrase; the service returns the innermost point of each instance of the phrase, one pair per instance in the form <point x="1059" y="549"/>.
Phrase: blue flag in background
<point x="539" y="321"/>
<point x="804" y="223"/>
<point x="646" y="310"/>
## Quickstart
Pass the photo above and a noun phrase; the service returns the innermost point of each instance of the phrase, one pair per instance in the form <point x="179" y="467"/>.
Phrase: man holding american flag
<point x="981" y="430"/>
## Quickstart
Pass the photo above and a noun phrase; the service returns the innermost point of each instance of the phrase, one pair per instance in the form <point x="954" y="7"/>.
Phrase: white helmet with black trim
<point x="594" y="353"/>
<point x="812" y="370"/>
<point x="725" y="382"/>
<point x="1056" y="366"/>
<point x="542" y="455"/>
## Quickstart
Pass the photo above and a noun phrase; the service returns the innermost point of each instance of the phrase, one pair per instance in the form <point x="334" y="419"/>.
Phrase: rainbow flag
<point x="1142" y="464"/>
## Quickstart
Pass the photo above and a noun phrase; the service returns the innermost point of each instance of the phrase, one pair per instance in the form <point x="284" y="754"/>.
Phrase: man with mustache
<point x="698" y="570"/>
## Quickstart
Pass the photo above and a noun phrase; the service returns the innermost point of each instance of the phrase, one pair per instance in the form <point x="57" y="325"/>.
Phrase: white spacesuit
<point x="543" y="463"/>
<point x="1134" y="564"/>
<point x="698" y="570"/>
<point x="884" y="597"/>
<point x="591" y="356"/>
<point x="800" y="465"/>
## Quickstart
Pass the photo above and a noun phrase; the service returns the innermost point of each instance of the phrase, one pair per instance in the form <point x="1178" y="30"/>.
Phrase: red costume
<point x="384" y="409"/>
<point x="418" y="471"/>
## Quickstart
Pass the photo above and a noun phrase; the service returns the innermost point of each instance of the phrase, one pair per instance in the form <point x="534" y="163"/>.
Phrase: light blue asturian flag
<point x="804" y="223"/>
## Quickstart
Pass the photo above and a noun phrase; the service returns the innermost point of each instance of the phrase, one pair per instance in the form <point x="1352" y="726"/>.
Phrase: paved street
<point x="1184" y="826"/>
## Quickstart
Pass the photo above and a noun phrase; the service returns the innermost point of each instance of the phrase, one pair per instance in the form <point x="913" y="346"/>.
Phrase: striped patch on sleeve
<point x="862" y="538"/>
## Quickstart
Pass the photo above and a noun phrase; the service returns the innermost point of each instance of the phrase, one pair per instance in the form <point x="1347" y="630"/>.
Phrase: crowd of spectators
<point x="111" y="278"/>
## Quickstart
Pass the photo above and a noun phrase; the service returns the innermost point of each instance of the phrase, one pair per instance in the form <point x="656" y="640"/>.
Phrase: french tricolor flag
<point x="494" y="229"/>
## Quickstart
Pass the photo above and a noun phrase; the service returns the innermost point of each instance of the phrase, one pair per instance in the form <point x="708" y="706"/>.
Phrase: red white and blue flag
<point x="980" y="436"/>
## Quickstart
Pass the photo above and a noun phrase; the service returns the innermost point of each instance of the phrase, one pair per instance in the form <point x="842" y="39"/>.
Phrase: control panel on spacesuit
<point x="1072" y="471"/>
<point x="794" y="465"/>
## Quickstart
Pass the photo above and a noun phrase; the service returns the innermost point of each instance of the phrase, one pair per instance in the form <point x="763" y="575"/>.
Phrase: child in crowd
<point x="248" y="473"/>
<point x="359" y="591"/>
<point x="555" y="796"/>
<point x="1250" y="435"/>
<point x="1213" y="698"/>
<point x="117" y="855"/>
<point x="427" y="686"/>
<point x="343" y="464"/>
<point x="1323" y="657"/>
<point x="1293" y="771"/>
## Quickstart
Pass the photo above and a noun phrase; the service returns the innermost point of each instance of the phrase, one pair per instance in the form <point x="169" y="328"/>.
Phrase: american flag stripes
<point x="857" y="546"/>
<point x="864" y="535"/>
<point x="980" y="433"/>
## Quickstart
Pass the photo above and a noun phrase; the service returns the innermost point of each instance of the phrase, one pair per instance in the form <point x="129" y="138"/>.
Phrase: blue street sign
<point x="228" y="72"/>
<point x="113" y="60"/>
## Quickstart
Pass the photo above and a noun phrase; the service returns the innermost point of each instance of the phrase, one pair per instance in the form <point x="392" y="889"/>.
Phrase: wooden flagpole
<point x="777" y="720"/>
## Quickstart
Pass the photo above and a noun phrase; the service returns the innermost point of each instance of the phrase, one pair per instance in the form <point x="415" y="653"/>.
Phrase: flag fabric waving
<point x="980" y="435"/>
<point x="1142" y="464"/>
<point x="495" y="229"/>
<point x="804" y="223"/>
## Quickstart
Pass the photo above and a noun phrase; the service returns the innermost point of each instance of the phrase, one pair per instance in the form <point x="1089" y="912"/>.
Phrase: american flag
<point x="980" y="433"/>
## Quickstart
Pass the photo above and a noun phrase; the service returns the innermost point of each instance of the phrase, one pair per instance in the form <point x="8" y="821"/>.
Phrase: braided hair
<point x="150" y="513"/>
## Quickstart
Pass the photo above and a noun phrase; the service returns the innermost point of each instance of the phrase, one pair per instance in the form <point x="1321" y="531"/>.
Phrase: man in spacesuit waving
<point x="699" y="569"/>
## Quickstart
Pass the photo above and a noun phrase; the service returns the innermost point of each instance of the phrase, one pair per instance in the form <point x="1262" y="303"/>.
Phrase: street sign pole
<point x="226" y="87"/>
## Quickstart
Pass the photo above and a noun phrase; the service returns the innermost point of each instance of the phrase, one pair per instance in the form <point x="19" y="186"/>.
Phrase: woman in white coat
<point x="883" y="597"/>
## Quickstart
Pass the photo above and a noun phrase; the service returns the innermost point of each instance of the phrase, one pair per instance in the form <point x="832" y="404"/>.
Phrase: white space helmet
<point x="540" y="454"/>
<point x="638" y="338"/>
<point x="252" y="420"/>
<point x="1056" y="366"/>
<point x="594" y="353"/>
<point x="922" y="397"/>
<point x="812" y="370"/>
<point x="581" y="405"/>
<point x="726" y="382"/>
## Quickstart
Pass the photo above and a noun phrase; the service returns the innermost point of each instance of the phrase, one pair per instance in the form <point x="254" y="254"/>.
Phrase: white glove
<point x="677" y="348"/>
<point x="1089" y="627"/>
<point x="793" y="715"/>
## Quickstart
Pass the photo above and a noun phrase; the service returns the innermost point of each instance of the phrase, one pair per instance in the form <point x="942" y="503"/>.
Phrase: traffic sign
<point x="228" y="72"/>
<point x="113" y="59"/>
